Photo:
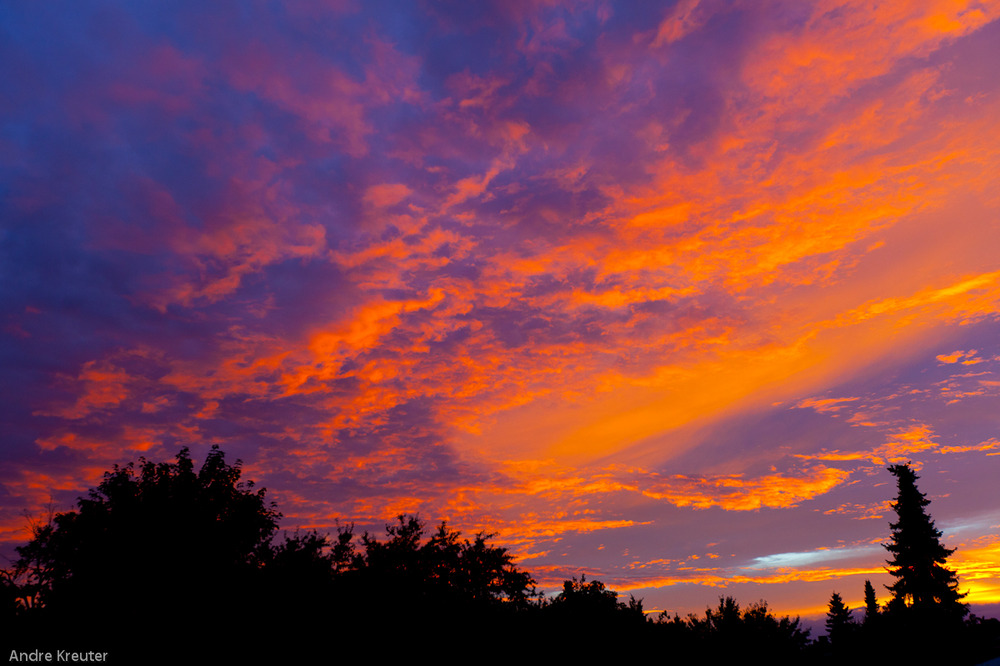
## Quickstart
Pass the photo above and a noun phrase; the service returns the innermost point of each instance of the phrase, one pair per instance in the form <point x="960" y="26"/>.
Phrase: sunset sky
<point x="654" y="291"/>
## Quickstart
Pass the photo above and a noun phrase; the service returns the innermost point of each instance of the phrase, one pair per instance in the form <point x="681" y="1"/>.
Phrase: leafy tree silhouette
<point x="590" y="621"/>
<point x="160" y="545"/>
<point x="729" y="633"/>
<point x="469" y="573"/>
<point x="591" y="601"/>
<point x="414" y="584"/>
<point x="298" y="573"/>
<point x="153" y="545"/>
<point x="11" y="594"/>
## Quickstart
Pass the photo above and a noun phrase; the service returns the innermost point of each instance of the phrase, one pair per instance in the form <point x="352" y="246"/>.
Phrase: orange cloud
<point x="34" y="491"/>
<point x="872" y="511"/>
<point x="681" y="20"/>
<point x="901" y="445"/>
<point x="732" y="492"/>
<point x="825" y="405"/>
<point x="718" y="577"/>
<point x="386" y="194"/>
<point x="103" y="386"/>
<point x="736" y="493"/>
<point x="966" y="358"/>
<point x="988" y="445"/>
<point x="847" y="42"/>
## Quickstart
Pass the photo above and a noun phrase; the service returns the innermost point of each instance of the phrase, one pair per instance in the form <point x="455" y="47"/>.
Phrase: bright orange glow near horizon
<point x="655" y="293"/>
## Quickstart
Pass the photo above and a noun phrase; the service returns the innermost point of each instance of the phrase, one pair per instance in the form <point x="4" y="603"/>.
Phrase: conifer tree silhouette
<point x="923" y="582"/>
<point x="838" y="619"/>
<point x="871" y="603"/>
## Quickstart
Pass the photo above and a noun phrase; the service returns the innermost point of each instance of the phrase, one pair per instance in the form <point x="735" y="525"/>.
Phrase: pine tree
<point x="871" y="603"/>
<point x="838" y="619"/>
<point x="918" y="560"/>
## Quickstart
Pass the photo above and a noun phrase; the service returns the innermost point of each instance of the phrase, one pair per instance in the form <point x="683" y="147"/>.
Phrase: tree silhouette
<point x="592" y="601"/>
<point x="729" y="634"/>
<point x="923" y="583"/>
<point x="413" y="584"/>
<point x="587" y="609"/>
<point x="444" y="567"/>
<point x="871" y="604"/>
<point x="838" y="620"/>
<point x="157" y="544"/>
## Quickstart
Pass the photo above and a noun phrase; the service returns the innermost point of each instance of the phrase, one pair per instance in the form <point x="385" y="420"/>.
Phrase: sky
<point x="655" y="292"/>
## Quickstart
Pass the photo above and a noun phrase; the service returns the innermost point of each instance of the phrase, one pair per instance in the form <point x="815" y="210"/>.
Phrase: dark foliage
<point x="923" y="621"/>
<point x="160" y="563"/>
<point x="871" y="605"/>
<point x="840" y="626"/>
<point x="159" y="545"/>
<point x="925" y="610"/>
<point x="728" y="633"/>
<point x="584" y="604"/>
<point x="923" y="583"/>
<point x="164" y="527"/>
<point x="411" y="583"/>
<point x="154" y="545"/>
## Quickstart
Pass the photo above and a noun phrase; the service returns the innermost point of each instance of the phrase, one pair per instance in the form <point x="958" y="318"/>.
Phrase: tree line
<point x="161" y="562"/>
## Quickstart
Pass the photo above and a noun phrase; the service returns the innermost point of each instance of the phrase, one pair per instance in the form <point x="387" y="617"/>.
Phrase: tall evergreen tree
<point x="871" y="603"/>
<point x="923" y="582"/>
<point x="838" y="619"/>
